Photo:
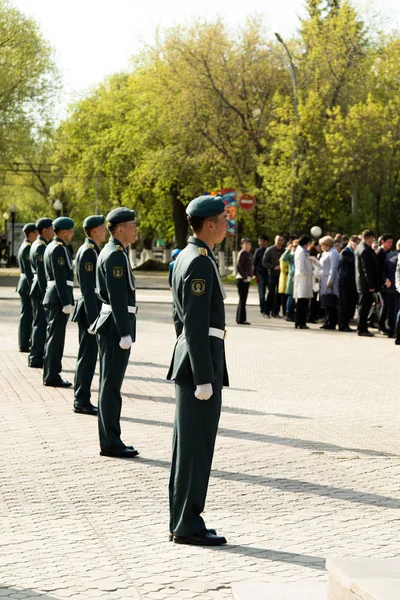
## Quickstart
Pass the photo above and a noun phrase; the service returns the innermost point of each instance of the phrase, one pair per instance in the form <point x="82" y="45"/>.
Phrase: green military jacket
<point x="59" y="274"/>
<point x="39" y="282"/>
<point x="88" y="305"/>
<point x="24" y="263"/>
<point x="115" y="285"/>
<point x="198" y="304"/>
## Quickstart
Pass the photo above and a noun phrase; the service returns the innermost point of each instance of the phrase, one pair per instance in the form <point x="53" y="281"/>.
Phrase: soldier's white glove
<point x="91" y="331"/>
<point x="204" y="391"/>
<point x="125" y="342"/>
<point x="67" y="310"/>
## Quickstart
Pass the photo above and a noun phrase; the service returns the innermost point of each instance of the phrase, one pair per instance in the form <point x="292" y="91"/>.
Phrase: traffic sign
<point x="247" y="201"/>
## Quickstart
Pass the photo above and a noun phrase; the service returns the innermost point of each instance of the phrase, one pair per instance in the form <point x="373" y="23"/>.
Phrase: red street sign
<point x="247" y="201"/>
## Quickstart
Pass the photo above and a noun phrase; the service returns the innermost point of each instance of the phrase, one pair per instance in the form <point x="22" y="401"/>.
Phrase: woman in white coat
<point x="303" y="281"/>
<point x="329" y="283"/>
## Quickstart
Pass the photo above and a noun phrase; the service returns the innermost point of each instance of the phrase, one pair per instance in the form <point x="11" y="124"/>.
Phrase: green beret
<point x="205" y="206"/>
<point x="63" y="223"/>
<point x="29" y="228"/>
<point x="120" y="215"/>
<point x="93" y="221"/>
<point x="44" y="223"/>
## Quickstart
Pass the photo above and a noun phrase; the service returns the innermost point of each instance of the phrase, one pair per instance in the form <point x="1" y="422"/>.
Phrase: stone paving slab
<point x="306" y="467"/>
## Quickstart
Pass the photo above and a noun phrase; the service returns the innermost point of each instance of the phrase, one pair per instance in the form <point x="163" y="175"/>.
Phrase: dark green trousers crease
<point x="85" y="366"/>
<point x="195" y="430"/>
<point x="113" y="363"/>
<point x="55" y="340"/>
<point x="39" y="325"/>
<point x="25" y="323"/>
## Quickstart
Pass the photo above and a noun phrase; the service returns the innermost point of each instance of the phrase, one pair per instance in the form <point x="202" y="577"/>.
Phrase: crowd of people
<point x="331" y="280"/>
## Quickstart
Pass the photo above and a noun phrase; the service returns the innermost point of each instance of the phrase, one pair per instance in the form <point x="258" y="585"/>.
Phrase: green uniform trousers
<point x="85" y="366"/>
<point x="55" y="340"/>
<point x="25" y="323"/>
<point x="195" y="430"/>
<point x="39" y="325"/>
<point x="113" y="363"/>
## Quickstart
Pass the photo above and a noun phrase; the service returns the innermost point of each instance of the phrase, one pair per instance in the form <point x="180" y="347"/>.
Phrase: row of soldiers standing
<point x="107" y="286"/>
<point x="107" y="307"/>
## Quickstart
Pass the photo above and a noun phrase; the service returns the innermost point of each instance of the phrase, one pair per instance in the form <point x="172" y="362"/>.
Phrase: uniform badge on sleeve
<point x="61" y="261"/>
<point x="198" y="287"/>
<point x="41" y="257"/>
<point x="118" y="272"/>
<point x="88" y="266"/>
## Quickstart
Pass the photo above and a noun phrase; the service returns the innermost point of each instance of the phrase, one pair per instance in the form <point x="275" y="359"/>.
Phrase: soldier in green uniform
<point x="58" y="301"/>
<point x="38" y="290"/>
<point x="199" y="370"/>
<point x="86" y="312"/>
<point x="23" y="287"/>
<point x="115" y="328"/>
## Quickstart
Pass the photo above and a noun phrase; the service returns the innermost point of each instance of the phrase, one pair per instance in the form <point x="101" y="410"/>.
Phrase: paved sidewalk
<point x="306" y="467"/>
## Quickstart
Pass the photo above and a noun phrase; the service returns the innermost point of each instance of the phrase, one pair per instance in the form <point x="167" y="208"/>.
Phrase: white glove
<point x="67" y="310"/>
<point x="91" y="331"/>
<point x="125" y="342"/>
<point x="204" y="391"/>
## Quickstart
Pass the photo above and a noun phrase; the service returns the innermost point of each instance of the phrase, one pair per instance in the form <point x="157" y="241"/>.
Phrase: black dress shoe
<point x="212" y="531"/>
<point x="62" y="383"/>
<point x="365" y="334"/>
<point x="24" y="349"/>
<point x="302" y="327"/>
<point x="86" y="410"/>
<point x="203" y="538"/>
<point x="36" y="365"/>
<point x="397" y="342"/>
<point x="124" y="452"/>
<point x="384" y="331"/>
<point x="347" y="329"/>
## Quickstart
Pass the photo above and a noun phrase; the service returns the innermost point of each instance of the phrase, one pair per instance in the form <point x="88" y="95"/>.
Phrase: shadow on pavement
<point x="227" y="409"/>
<point x="25" y="593"/>
<point x="295" y="486"/>
<point x="275" y="439"/>
<point x="302" y="560"/>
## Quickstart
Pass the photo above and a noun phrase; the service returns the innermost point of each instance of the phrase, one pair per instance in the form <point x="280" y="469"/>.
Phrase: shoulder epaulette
<point x="59" y="243"/>
<point x="90" y="245"/>
<point x="118" y="247"/>
<point x="29" y="243"/>
<point x="203" y="251"/>
<point x="42" y="243"/>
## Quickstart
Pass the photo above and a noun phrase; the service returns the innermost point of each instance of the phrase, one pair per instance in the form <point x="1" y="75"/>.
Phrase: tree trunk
<point x="378" y="199"/>
<point x="179" y="218"/>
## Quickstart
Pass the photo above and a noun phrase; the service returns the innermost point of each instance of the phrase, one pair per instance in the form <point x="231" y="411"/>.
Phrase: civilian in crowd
<point x="329" y="284"/>
<point x="303" y="281"/>
<point x="397" y="284"/>
<point x="347" y="284"/>
<point x="283" y="279"/>
<point x="367" y="279"/>
<point x="288" y="258"/>
<point x="391" y="296"/>
<point x="243" y="277"/>
<point x="344" y="242"/>
<point x="375" y="245"/>
<point x="260" y="272"/>
<point x="271" y="264"/>
<point x="385" y="246"/>
<point x="174" y="256"/>
<point x="314" y="308"/>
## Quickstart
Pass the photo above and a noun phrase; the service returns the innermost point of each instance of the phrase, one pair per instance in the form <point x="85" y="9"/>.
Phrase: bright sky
<point x="94" y="38"/>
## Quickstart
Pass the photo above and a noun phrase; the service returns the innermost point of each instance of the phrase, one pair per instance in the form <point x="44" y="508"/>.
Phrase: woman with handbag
<point x="329" y="283"/>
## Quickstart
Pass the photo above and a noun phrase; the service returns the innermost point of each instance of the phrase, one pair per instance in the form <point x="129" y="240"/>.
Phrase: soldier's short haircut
<point x="88" y="230"/>
<point x="111" y="228"/>
<point x="197" y="223"/>
<point x="56" y="231"/>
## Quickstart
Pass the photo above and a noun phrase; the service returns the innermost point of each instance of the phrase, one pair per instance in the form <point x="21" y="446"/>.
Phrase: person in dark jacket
<point x="389" y="274"/>
<point x="367" y="280"/>
<point x="86" y="312"/>
<point x="347" y="284"/>
<point x="243" y="277"/>
<point x="260" y="272"/>
<point x="271" y="263"/>
<point x="386" y="243"/>
<point x="38" y="291"/>
<point x="24" y="286"/>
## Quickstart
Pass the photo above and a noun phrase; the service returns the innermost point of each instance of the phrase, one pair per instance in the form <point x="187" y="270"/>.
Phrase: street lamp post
<point x="6" y="216"/>
<point x="57" y="205"/>
<point x="13" y="210"/>
<point x="292" y="72"/>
